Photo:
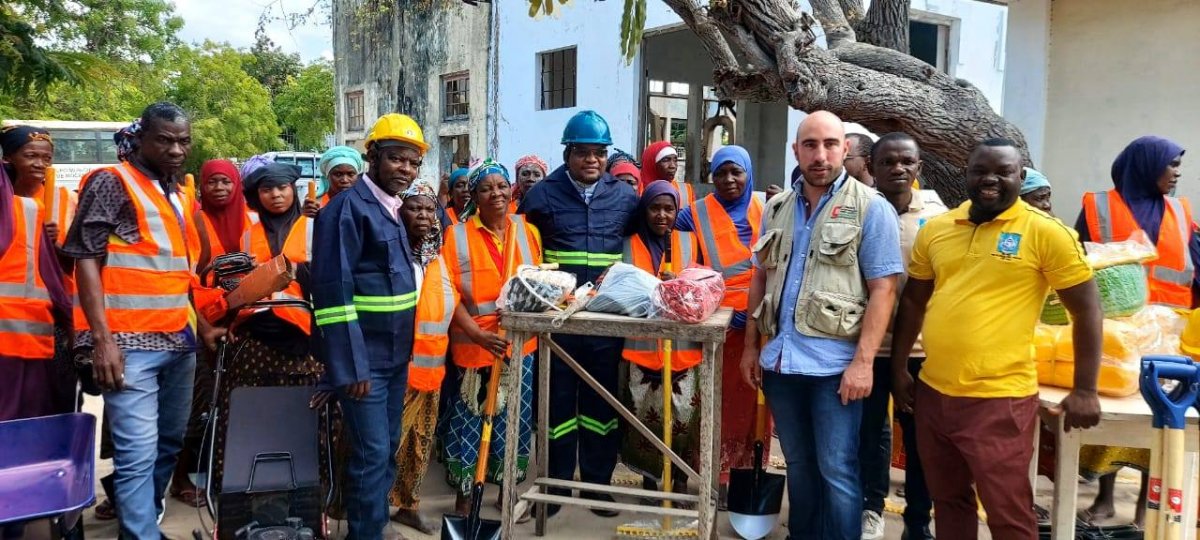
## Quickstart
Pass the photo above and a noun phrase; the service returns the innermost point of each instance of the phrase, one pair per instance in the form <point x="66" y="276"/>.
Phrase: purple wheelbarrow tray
<point x="47" y="466"/>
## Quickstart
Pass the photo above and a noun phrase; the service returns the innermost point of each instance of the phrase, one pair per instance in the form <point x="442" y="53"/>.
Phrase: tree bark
<point x="880" y="87"/>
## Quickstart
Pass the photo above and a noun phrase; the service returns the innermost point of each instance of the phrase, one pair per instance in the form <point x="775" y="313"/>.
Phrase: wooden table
<point x="1123" y="422"/>
<point x="522" y="327"/>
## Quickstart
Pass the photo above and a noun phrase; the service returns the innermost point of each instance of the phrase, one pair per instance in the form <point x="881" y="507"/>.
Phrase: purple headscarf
<point x="639" y="225"/>
<point x="47" y="262"/>
<point x="1135" y="174"/>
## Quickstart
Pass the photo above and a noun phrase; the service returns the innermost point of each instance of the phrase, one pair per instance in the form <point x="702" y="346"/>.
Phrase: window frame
<point x="557" y="82"/>
<point x="351" y="117"/>
<point x="463" y="77"/>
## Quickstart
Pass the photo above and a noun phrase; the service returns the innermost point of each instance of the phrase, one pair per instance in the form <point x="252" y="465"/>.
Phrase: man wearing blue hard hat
<point x="581" y="211"/>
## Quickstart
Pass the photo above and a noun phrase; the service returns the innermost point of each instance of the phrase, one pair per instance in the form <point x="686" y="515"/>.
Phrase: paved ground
<point x="572" y="523"/>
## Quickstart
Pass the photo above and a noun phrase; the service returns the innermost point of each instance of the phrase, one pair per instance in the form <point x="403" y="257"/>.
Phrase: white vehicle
<point x="79" y="147"/>
<point x="307" y="161"/>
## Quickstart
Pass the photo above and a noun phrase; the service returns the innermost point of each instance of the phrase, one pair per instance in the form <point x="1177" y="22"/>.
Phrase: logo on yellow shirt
<point x="1008" y="245"/>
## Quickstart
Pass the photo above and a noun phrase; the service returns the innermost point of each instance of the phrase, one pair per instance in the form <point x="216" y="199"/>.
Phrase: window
<point x="456" y="100"/>
<point x="455" y="151"/>
<point x="355" y="115"/>
<point x="558" y="79"/>
<point x="83" y="147"/>
<point x="930" y="42"/>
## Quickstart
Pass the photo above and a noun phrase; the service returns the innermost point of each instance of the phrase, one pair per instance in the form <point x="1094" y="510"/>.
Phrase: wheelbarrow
<point x="47" y="470"/>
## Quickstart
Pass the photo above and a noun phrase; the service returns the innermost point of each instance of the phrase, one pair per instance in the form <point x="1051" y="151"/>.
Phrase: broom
<point x="663" y="529"/>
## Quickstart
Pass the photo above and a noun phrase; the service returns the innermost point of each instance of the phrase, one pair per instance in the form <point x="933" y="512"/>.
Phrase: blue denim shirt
<point x="793" y="353"/>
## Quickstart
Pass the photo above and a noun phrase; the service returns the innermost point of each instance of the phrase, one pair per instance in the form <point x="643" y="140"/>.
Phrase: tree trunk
<point x="881" y="87"/>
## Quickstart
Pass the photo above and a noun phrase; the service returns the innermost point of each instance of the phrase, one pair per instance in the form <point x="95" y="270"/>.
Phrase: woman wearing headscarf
<point x="271" y="347"/>
<point x="459" y="195"/>
<point x="1144" y="175"/>
<point x="727" y="223"/>
<point x="655" y="246"/>
<point x="1035" y="190"/>
<point x="341" y="166"/>
<point x="487" y="247"/>
<point x="28" y="154"/>
<point x="628" y="173"/>
<point x="530" y="170"/>
<point x="660" y="161"/>
<point x="426" y="371"/>
<point x="35" y="309"/>
<point x="225" y="219"/>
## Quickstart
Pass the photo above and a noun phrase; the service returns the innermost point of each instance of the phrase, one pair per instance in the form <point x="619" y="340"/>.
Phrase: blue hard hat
<point x="587" y="127"/>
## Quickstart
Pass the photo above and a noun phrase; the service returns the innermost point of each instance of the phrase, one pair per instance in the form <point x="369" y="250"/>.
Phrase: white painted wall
<point x="1118" y="70"/>
<point x="1027" y="83"/>
<point x="610" y="86"/>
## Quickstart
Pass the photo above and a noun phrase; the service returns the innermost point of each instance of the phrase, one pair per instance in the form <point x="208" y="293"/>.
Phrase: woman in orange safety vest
<point x="727" y="223"/>
<point x="35" y="309"/>
<point x="341" y="166"/>
<point x="459" y="195"/>
<point x="427" y="369"/>
<point x="482" y="253"/>
<point x="272" y="345"/>
<point x="653" y="245"/>
<point x="1144" y="176"/>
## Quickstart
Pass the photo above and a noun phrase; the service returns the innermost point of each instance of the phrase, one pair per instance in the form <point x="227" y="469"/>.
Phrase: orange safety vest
<point x="477" y="279"/>
<point x="216" y="248"/>
<point x="723" y="250"/>
<point x="297" y="247"/>
<point x="26" y="319"/>
<point x="435" y="309"/>
<point x="452" y="214"/>
<point x="646" y="352"/>
<point x="686" y="194"/>
<point x="1170" y="275"/>
<point x="62" y="209"/>
<point x="146" y="284"/>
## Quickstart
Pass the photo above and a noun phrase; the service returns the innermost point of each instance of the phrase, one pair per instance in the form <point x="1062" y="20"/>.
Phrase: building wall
<point x="1118" y="70"/>
<point x="1027" y="84"/>
<point x="397" y="57"/>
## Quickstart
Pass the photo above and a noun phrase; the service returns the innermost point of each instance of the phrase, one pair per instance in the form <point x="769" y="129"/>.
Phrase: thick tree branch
<point x="707" y="31"/>
<point x="886" y="25"/>
<point x="832" y="17"/>
<point x="853" y="9"/>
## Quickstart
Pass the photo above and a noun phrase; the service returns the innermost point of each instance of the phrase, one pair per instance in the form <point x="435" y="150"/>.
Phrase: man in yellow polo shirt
<point x="978" y="277"/>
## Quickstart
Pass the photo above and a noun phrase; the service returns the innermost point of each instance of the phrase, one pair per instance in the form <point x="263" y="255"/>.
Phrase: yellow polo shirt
<point x="990" y="281"/>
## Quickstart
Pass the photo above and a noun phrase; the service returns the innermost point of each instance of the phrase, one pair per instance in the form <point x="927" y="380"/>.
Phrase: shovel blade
<point x="753" y="527"/>
<point x="755" y="493"/>
<point x="464" y="528"/>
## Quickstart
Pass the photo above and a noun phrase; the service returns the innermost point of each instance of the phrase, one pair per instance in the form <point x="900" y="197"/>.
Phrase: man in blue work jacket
<point x="365" y="294"/>
<point x="581" y="211"/>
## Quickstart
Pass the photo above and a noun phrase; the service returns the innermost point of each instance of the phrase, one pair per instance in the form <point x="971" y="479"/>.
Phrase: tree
<point x="305" y="105"/>
<point x="129" y="30"/>
<point x="26" y="65"/>
<point x="766" y="50"/>
<point x="268" y="64"/>
<point x="231" y="112"/>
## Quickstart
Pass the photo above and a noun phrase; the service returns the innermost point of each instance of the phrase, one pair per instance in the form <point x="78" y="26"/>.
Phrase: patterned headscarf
<point x="479" y="170"/>
<point x="12" y="138"/>
<point x="532" y="160"/>
<point x="427" y="248"/>
<point x="126" y="139"/>
<point x="619" y="156"/>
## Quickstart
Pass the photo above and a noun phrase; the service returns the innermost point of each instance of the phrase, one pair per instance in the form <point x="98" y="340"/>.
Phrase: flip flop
<point x="192" y="497"/>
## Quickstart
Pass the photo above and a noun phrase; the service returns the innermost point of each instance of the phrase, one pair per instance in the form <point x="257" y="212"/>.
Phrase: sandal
<point x="105" y="511"/>
<point x="1089" y="517"/>
<point x="193" y="497"/>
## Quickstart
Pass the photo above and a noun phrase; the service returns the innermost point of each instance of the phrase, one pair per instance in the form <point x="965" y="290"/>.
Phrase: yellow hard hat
<point x="397" y="127"/>
<point x="1189" y="341"/>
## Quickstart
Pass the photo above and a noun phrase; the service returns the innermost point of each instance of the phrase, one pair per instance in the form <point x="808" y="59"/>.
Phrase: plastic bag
<point x="692" y="297"/>
<point x="534" y="290"/>
<point x="1136" y="249"/>
<point x="626" y="290"/>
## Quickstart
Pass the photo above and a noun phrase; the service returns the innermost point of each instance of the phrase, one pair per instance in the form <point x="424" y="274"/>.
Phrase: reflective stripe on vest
<point x="704" y="224"/>
<point x="25" y="309"/>
<point x="1179" y="277"/>
<point x="28" y="289"/>
<point x="433" y="330"/>
<point x="462" y="252"/>
<point x="33" y="328"/>
<point x="247" y="236"/>
<point x="1104" y="217"/>
<point x="164" y="261"/>
<point x="385" y="304"/>
<point x="582" y="258"/>
<point x="683" y="257"/>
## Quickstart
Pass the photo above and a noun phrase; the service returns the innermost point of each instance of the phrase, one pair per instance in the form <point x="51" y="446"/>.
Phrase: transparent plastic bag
<point x="625" y="290"/>
<point x="533" y="290"/>
<point x="1136" y="249"/>
<point x="692" y="297"/>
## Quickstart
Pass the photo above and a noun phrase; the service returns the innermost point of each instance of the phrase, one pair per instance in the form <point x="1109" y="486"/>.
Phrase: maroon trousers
<point x="985" y="441"/>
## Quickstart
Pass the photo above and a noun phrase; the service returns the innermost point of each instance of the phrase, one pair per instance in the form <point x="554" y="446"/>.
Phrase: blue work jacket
<point x="584" y="239"/>
<point x="363" y="287"/>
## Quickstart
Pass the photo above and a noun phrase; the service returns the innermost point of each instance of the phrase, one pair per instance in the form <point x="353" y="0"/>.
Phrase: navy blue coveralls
<point x="584" y="239"/>
<point x="364" y="294"/>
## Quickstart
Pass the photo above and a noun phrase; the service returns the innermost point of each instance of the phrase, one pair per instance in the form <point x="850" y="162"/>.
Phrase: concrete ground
<point x="574" y="523"/>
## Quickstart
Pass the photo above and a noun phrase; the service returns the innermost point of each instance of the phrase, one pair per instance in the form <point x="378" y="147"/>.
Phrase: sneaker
<point x="872" y="525"/>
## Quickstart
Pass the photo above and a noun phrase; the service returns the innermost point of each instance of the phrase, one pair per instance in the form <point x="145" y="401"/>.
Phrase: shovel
<point x="471" y="526"/>
<point x="1169" y="410"/>
<point x="1150" y="387"/>
<point x="755" y="496"/>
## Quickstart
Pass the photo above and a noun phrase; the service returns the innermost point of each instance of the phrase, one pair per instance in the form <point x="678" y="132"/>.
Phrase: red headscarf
<point x="229" y="218"/>
<point x="650" y="164"/>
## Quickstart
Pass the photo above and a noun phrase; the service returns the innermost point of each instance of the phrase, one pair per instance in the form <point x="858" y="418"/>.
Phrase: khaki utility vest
<point x="833" y="294"/>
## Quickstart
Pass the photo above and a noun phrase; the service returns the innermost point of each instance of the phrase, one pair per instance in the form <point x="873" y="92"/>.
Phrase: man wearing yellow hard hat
<point x="364" y="296"/>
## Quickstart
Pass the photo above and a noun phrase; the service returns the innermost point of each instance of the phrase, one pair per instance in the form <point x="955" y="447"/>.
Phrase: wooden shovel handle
<point x="489" y="411"/>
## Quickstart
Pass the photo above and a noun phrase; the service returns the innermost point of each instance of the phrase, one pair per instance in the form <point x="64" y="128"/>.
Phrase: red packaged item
<point x="692" y="297"/>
